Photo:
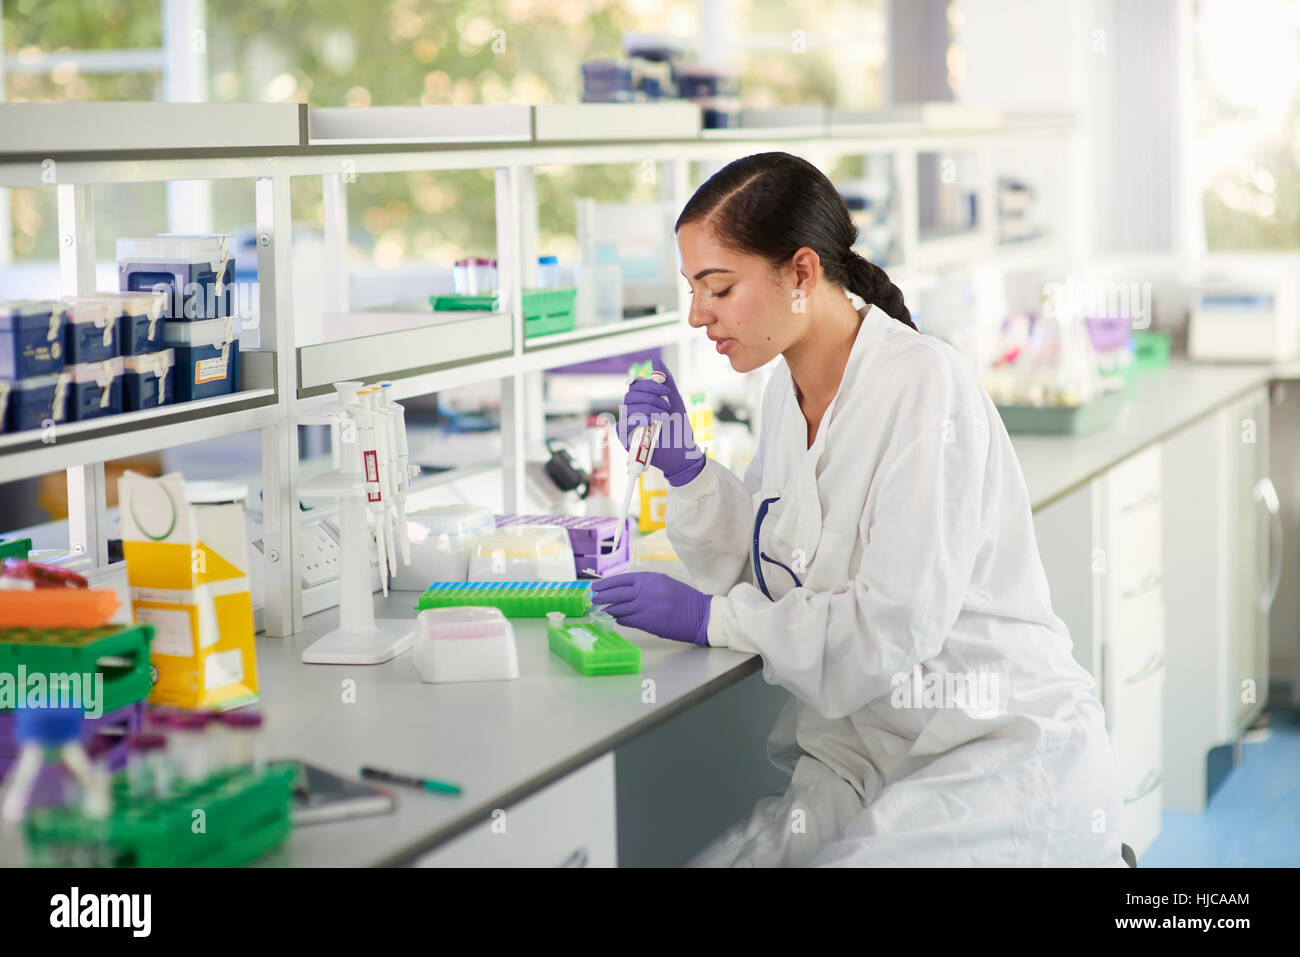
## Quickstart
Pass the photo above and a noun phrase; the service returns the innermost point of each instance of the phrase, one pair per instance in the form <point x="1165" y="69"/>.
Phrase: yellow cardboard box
<point x="187" y="566"/>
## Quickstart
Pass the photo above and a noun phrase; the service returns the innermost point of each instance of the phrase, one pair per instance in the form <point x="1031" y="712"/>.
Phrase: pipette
<point x="639" y="449"/>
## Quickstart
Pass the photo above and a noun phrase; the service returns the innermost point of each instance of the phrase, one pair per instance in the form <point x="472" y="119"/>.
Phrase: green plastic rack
<point x="15" y="548"/>
<point x="546" y="311"/>
<point x="515" y="599"/>
<point x="246" y="813"/>
<point x="119" y="652"/>
<point x="611" y="654"/>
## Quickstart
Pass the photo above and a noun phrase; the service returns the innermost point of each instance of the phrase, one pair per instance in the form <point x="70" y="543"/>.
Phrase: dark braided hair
<point x="773" y="204"/>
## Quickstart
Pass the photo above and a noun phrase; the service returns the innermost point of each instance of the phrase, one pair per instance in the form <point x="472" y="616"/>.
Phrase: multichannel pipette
<point x="639" y="450"/>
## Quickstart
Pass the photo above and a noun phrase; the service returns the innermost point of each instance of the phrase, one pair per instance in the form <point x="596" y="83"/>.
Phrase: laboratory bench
<point x="557" y="768"/>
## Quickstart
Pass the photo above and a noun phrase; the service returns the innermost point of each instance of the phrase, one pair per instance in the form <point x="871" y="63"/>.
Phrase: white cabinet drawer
<point x="1135" y="482"/>
<point x="1135" y="634"/>
<point x="1135" y="714"/>
<point x="568" y="823"/>
<point x="1134" y="556"/>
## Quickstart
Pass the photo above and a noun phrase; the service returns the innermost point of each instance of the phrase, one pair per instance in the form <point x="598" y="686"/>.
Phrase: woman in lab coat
<point x="878" y="555"/>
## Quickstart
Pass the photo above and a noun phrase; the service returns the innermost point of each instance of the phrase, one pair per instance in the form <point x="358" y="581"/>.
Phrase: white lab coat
<point x="907" y="524"/>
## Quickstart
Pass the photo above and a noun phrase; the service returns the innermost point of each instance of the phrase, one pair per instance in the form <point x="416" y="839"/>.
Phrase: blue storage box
<point x="148" y="380"/>
<point x="89" y="332"/>
<point x="207" y="356"/>
<point x="31" y="338"/>
<point x="31" y="403"/>
<point x="139" y="318"/>
<point x="96" y="389"/>
<point x="198" y="273"/>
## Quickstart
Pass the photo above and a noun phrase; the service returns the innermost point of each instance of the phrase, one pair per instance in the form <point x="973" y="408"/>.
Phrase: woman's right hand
<point x="675" y="453"/>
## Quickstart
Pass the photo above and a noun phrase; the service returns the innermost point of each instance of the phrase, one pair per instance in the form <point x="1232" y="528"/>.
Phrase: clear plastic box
<point x="198" y="271"/>
<point x="523" y="553"/>
<point x="465" y="644"/>
<point x="442" y="539"/>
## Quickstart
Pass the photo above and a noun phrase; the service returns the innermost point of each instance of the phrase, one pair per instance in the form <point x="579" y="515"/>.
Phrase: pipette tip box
<point x="464" y="644"/>
<point x="593" y="648"/>
<point x="515" y="599"/>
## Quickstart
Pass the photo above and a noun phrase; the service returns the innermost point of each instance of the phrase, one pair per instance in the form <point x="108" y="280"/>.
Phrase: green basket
<point x="546" y="311"/>
<point x="1151" y="348"/>
<point x="612" y="654"/>
<point x="15" y="548"/>
<point x="1083" y="419"/>
<point x="81" y="651"/>
<point x="245" y="814"/>
<point x="515" y="599"/>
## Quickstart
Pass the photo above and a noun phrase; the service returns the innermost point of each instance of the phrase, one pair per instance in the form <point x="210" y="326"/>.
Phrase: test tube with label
<point x="242" y="733"/>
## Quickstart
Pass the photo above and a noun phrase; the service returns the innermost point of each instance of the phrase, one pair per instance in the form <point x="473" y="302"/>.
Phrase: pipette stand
<point x="360" y="639"/>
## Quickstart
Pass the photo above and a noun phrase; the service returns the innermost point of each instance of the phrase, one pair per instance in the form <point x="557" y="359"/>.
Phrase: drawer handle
<point x="1146" y="501"/>
<point x="1153" y="664"/>
<point x="578" y="858"/>
<point x="1153" y="581"/>
<point x="1149" y="783"/>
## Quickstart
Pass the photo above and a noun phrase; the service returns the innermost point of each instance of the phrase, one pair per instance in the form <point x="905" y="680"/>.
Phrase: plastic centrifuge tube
<point x="190" y="745"/>
<point x="146" y="758"/>
<point x="243" y="729"/>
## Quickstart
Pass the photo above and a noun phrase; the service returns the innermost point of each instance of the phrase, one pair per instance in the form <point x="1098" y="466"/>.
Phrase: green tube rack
<point x="246" y="813"/>
<point x="611" y="654"/>
<point x="119" y="652"/>
<point x="515" y="599"/>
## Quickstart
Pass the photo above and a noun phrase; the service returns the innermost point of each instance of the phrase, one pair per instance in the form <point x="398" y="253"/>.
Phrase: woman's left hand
<point x="655" y="603"/>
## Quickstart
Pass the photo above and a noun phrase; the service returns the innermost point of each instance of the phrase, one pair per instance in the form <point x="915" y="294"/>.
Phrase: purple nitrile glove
<point x="655" y="603"/>
<point x="675" y="454"/>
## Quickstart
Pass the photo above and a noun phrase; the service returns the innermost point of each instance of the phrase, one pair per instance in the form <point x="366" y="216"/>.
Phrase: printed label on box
<point x="223" y="668"/>
<point x="209" y="370"/>
<point x="172" y="635"/>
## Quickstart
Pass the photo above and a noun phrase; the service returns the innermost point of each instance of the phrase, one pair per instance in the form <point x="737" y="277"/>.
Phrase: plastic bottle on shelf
<point x="549" y="275"/>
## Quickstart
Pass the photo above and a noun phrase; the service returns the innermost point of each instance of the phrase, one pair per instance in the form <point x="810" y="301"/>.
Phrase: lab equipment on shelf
<point x="137" y="315"/>
<point x="591" y="646"/>
<point x="196" y="272"/>
<point x="148" y="380"/>
<point x="35" y="402"/>
<point x="90" y="333"/>
<point x="96" y="389"/>
<point x="206" y="357"/>
<point x="366" y="462"/>
<point x="593" y="539"/>
<point x="475" y="277"/>
<point x="546" y="311"/>
<point x="550" y="275"/>
<point x="442" y="539"/>
<point x="1251" y="315"/>
<point x="465" y="644"/>
<point x="599" y="299"/>
<point x="515" y="599"/>
<point x="522" y="553"/>
<point x="31" y="338"/>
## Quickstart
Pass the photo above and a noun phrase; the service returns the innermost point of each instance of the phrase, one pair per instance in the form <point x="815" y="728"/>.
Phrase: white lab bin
<point x="464" y="644"/>
<point x="520" y="553"/>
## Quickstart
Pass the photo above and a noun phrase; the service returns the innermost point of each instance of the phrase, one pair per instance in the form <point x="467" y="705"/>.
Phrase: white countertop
<point x="502" y="741"/>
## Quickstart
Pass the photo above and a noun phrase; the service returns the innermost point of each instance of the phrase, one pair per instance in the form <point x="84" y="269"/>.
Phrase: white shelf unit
<point x="290" y="380"/>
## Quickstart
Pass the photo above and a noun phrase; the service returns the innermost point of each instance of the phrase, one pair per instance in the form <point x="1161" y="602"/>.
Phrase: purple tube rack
<point x="586" y="535"/>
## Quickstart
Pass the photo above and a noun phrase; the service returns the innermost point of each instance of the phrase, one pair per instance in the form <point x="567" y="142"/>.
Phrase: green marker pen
<point x="427" y="784"/>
